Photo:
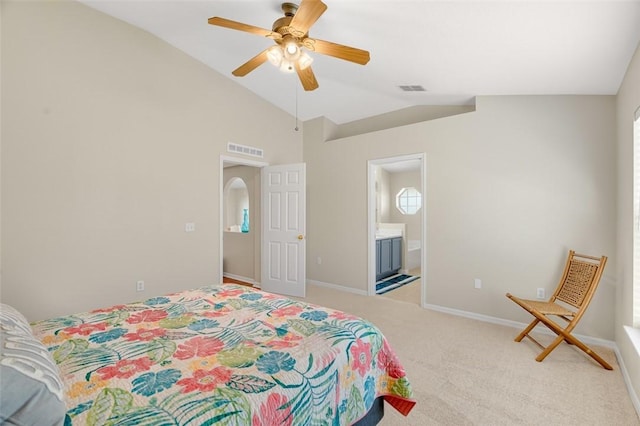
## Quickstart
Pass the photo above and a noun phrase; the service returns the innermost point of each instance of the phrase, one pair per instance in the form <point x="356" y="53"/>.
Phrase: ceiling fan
<point x="291" y="34"/>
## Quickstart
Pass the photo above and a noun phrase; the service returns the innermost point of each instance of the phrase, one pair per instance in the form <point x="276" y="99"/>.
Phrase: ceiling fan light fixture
<point x="291" y="51"/>
<point x="291" y="35"/>
<point x="287" y="66"/>
<point x="275" y="55"/>
<point x="305" y="60"/>
<point x="281" y="57"/>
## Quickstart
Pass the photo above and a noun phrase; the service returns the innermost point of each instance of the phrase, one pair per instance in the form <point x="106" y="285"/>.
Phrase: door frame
<point x="371" y="221"/>
<point x="239" y="162"/>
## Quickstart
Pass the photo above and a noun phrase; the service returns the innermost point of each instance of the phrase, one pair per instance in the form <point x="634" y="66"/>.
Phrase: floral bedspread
<point x="223" y="355"/>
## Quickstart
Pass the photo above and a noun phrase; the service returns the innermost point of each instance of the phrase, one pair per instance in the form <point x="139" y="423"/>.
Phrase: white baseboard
<point x="515" y="324"/>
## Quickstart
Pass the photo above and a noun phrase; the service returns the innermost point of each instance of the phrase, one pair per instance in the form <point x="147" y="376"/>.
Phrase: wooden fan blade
<point x="251" y="64"/>
<point x="307" y="78"/>
<point x="347" y="53"/>
<point x="307" y="14"/>
<point x="227" y="23"/>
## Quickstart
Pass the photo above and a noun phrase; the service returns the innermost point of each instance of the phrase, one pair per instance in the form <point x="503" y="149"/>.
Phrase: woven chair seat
<point x="548" y="308"/>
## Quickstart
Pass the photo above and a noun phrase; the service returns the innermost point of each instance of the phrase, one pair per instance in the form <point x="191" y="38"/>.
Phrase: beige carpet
<point x="408" y="292"/>
<point x="466" y="372"/>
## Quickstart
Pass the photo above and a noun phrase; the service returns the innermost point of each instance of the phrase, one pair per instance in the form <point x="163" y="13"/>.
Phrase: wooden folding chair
<point x="576" y="288"/>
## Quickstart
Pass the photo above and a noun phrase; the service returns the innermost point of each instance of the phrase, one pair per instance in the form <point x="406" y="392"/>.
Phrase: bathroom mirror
<point x="409" y="200"/>
<point x="236" y="206"/>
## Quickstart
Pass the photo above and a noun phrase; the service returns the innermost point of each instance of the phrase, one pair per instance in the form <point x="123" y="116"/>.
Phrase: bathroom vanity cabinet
<point x="388" y="257"/>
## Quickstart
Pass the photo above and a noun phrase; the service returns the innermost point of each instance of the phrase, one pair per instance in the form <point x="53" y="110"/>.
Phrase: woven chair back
<point x="578" y="282"/>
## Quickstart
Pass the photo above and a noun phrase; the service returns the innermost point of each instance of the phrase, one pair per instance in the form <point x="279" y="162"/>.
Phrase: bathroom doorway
<point x="397" y="212"/>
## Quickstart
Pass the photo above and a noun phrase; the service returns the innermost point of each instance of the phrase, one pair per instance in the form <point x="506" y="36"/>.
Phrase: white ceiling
<point x="455" y="49"/>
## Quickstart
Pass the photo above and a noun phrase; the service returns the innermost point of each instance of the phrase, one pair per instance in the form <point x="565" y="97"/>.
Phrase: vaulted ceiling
<point x="455" y="50"/>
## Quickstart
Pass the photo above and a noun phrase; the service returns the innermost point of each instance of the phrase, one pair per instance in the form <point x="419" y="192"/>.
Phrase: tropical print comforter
<point x="222" y="355"/>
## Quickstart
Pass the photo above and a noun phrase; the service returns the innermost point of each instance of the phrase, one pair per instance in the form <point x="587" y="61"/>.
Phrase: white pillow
<point x="32" y="391"/>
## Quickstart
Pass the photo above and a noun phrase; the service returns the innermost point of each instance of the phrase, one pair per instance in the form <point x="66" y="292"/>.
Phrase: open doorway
<point x="277" y="223"/>
<point x="397" y="227"/>
<point x="240" y="219"/>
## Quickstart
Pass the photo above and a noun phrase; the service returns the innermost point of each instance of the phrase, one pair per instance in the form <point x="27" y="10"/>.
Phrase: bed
<point x="223" y="355"/>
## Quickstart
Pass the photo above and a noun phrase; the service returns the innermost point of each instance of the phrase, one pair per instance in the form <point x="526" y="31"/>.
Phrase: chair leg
<point x="549" y="348"/>
<point x="527" y="330"/>
<point x="586" y="349"/>
<point x="565" y="335"/>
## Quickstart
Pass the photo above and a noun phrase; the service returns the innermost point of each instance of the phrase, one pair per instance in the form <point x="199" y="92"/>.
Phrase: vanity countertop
<point x="385" y="236"/>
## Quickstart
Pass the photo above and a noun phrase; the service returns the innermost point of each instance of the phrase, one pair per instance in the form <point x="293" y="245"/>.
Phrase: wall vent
<point x="412" y="88"/>
<point x="246" y="150"/>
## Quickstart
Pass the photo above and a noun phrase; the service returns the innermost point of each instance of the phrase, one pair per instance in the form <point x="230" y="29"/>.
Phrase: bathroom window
<point x="409" y="200"/>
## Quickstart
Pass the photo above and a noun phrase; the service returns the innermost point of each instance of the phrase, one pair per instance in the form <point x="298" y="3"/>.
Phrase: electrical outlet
<point x="540" y="294"/>
<point x="189" y="227"/>
<point x="319" y="260"/>
<point x="477" y="283"/>
<point x="140" y="286"/>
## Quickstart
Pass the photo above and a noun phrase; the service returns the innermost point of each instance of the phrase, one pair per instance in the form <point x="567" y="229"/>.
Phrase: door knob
<point x="300" y="237"/>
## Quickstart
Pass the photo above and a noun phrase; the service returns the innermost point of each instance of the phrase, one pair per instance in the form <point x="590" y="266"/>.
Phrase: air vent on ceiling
<point x="412" y="88"/>
<point x="246" y="150"/>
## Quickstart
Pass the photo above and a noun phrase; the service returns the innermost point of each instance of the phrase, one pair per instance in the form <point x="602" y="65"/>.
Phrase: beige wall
<point x="382" y="200"/>
<point x="628" y="100"/>
<point x="241" y="252"/>
<point x="111" y="142"/>
<point x="510" y="189"/>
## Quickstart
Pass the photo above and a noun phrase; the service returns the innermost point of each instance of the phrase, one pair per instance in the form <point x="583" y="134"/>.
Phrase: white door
<point x="283" y="229"/>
